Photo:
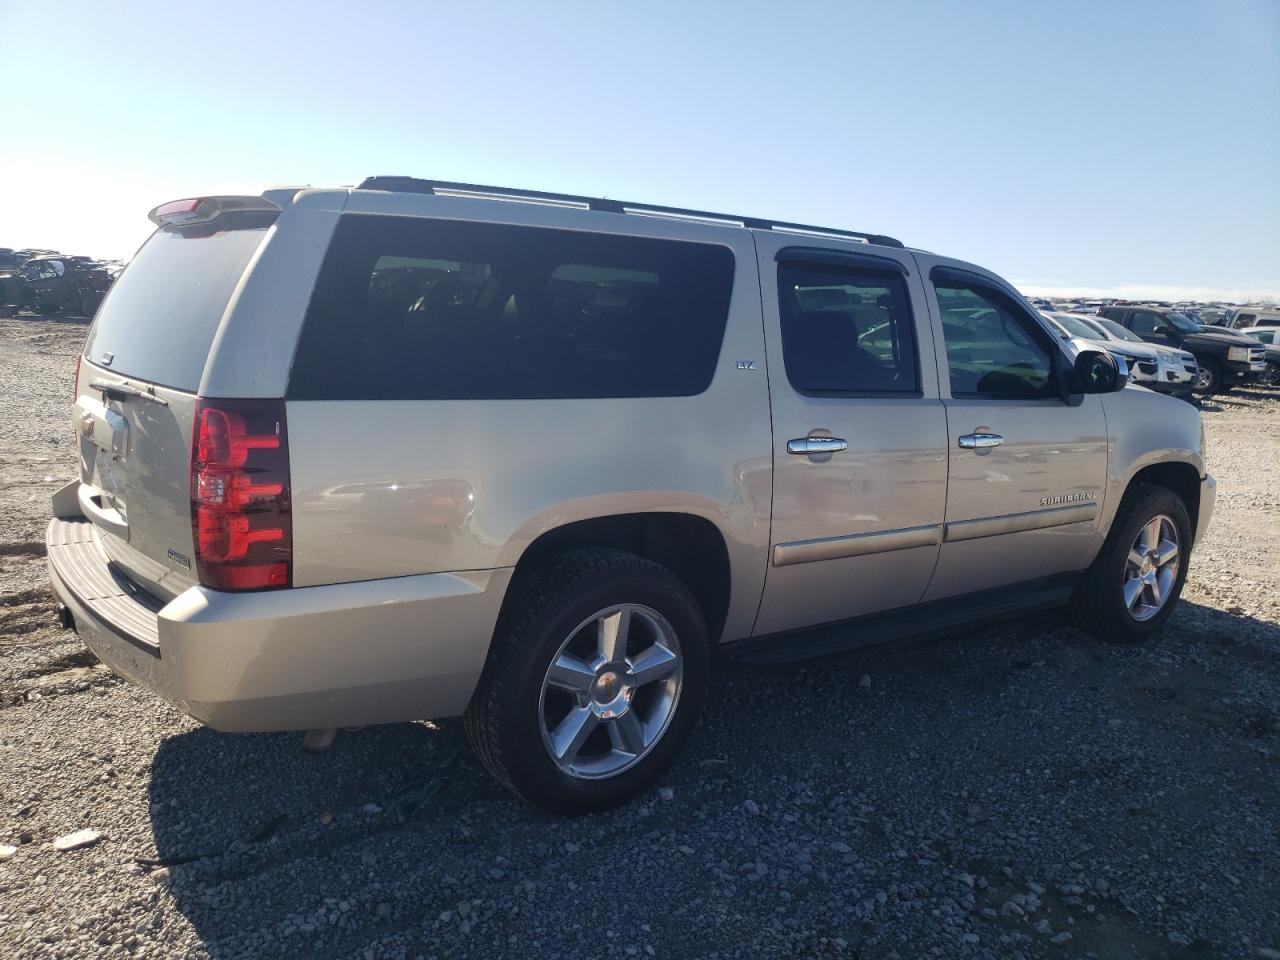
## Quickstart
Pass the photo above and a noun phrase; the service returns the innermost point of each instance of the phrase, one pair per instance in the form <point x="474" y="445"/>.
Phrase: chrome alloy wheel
<point x="611" y="691"/>
<point x="1151" y="569"/>
<point x="1204" y="378"/>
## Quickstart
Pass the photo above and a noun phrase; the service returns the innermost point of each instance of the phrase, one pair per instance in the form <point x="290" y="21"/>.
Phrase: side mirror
<point x="1097" y="371"/>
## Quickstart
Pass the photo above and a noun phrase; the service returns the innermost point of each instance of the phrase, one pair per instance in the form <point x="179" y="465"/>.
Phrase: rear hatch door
<point x="137" y="387"/>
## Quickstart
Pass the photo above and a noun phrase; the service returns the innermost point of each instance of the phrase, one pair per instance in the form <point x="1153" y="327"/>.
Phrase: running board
<point x="920" y="622"/>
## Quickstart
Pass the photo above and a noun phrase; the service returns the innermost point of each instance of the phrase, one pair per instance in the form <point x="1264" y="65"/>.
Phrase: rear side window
<point x="158" y="322"/>
<point x="846" y="331"/>
<point x="415" y="309"/>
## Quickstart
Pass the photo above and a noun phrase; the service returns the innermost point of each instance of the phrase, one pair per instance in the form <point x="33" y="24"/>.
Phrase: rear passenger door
<point x="1028" y="468"/>
<point x="859" y="433"/>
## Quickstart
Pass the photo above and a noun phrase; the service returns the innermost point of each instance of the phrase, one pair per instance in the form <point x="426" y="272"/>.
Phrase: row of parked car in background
<point x="1178" y="349"/>
<point x="49" y="282"/>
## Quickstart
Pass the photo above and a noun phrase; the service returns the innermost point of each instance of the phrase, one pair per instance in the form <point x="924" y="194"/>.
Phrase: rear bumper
<point x="1208" y="498"/>
<point x="376" y="651"/>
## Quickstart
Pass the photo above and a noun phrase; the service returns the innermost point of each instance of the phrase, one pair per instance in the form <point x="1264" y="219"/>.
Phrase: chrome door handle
<point x="811" y="445"/>
<point x="980" y="441"/>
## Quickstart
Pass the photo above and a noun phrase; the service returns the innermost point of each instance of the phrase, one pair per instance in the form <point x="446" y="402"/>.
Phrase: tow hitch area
<point x="65" y="619"/>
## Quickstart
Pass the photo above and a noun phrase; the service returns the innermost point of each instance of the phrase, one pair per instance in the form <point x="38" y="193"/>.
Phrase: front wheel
<point x="1208" y="379"/>
<point x="594" y="681"/>
<point x="1271" y="375"/>
<point x="1134" y="584"/>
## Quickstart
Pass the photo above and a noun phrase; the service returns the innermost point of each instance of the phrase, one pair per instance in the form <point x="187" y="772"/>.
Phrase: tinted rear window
<point x="413" y="309"/>
<point x="159" y="320"/>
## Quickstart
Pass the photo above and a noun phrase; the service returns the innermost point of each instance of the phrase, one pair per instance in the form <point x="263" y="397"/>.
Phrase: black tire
<point x="1212" y="378"/>
<point x="1271" y="375"/>
<point x="542" y="610"/>
<point x="1099" y="606"/>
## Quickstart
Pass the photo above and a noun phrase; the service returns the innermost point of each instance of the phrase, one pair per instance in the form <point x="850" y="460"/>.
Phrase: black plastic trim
<point x="915" y="623"/>
<point x="841" y="258"/>
<point x="943" y="272"/>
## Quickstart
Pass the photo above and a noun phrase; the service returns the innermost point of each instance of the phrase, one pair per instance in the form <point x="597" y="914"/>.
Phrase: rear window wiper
<point x="127" y="390"/>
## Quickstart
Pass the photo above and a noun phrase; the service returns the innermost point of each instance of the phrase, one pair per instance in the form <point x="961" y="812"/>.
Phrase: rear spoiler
<point x="196" y="210"/>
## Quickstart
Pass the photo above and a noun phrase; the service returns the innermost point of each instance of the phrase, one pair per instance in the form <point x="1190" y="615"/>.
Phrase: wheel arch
<point x="690" y="546"/>
<point x="1180" y="476"/>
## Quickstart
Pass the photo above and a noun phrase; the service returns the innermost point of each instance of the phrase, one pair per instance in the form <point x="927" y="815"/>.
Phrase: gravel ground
<point x="1021" y="791"/>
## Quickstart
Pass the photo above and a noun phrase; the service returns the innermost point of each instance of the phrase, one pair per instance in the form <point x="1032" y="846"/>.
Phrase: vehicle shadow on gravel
<point x="396" y="838"/>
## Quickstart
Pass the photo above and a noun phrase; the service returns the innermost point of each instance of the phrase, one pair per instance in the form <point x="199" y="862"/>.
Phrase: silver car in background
<point x="1163" y="369"/>
<point x="1269" y="337"/>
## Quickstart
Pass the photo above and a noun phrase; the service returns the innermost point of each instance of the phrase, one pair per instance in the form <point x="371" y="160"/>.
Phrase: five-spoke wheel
<point x="610" y="691"/>
<point x="1151" y="568"/>
<point x="1131" y="588"/>
<point x="594" y="680"/>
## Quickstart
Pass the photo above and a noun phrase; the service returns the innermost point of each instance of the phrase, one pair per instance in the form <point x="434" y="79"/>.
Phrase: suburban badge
<point x="1084" y="497"/>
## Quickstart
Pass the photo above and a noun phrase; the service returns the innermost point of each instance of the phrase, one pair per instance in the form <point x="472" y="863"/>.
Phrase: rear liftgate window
<point x="414" y="309"/>
<point x="159" y="320"/>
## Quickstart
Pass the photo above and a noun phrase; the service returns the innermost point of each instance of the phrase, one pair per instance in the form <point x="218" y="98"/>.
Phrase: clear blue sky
<point x="1077" y="144"/>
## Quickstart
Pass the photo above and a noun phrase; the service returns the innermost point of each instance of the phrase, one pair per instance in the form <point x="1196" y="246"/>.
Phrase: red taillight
<point x="241" y="519"/>
<point x="176" y="211"/>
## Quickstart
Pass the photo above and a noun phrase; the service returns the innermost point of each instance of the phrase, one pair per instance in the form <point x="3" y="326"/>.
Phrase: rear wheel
<point x="594" y="681"/>
<point x="1134" y="584"/>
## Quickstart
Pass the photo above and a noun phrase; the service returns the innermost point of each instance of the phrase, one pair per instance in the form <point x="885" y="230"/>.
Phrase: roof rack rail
<point x="449" y="188"/>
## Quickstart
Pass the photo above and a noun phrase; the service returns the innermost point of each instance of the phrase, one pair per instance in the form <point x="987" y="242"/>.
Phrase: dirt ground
<point x="1015" y="791"/>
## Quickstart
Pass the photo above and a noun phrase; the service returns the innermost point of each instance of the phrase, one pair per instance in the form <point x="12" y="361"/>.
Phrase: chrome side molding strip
<point x="1017" y="522"/>
<point x="861" y="544"/>
<point x="855" y="545"/>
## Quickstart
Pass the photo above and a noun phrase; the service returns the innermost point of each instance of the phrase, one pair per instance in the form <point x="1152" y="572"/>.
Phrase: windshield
<point x="1183" y="323"/>
<point x="1117" y="332"/>
<point x="1077" y="327"/>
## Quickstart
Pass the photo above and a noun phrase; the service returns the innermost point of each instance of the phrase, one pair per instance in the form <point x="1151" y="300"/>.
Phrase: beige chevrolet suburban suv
<point x="419" y="450"/>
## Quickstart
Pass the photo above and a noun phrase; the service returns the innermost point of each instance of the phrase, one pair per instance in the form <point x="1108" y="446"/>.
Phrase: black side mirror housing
<point x="1097" y="371"/>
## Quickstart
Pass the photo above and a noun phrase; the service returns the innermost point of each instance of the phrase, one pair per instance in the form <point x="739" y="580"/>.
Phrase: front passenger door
<point x="1027" y="469"/>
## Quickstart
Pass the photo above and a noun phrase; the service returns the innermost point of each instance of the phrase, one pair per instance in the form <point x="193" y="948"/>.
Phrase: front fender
<point x="1147" y="429"/>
